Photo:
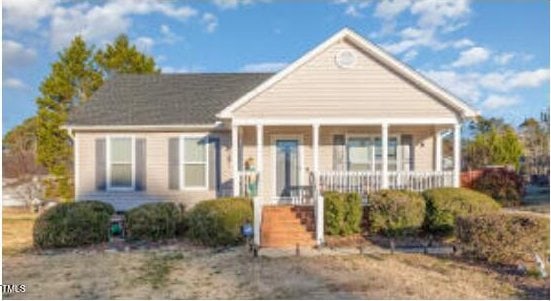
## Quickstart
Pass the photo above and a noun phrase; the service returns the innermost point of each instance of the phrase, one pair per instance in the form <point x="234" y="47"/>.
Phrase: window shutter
<point x="214" y="163"/>
<point x="173" y="163"/>
<point x="140" y="164"/>
<point x="339" y="152"/>
<point x="101" y="164"/>
<point x="408" y="152"/>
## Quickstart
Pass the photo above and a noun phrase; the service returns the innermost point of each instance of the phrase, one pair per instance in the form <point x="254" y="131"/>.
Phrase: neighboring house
<point x="346" y="116"/>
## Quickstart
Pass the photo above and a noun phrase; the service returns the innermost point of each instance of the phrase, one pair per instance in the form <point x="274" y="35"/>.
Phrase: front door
<point x="287" y="167"/>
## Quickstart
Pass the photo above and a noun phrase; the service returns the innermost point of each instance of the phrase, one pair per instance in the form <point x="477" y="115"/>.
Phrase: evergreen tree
<point x="123" y="57"/>
<point x="72" y="80"/>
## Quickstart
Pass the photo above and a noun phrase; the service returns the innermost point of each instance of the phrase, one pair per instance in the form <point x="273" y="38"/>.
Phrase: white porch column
<point x="234" y="158"/>
<point x="259" y="156"/>
<point x="456" y="154"/>
<point x="438" y="151"/>
<point x="384" y="142"/>
<point x="315" y="152"/>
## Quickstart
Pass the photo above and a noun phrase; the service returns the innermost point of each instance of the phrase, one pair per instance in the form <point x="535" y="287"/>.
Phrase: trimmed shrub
<point x="504" y="185"/>
<point x="342" y="213"/>
<point x="218" y="222"/>
<point x="73" y="224"/>
<point x="395" y="212"/>
<point x="443" y="205"/>
<point x="154" y="221"/>
<point x="504" y="238"/>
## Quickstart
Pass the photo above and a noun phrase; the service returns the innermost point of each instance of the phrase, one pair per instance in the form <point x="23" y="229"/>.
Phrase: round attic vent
<point x="345" y="58"/>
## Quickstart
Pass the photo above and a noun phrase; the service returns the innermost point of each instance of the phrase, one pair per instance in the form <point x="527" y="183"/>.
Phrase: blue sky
<point x="492" y="54"/>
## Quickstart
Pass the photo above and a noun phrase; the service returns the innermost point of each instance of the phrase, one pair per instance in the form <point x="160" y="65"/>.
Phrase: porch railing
<point x="419" y="181"/>
<point x="364" y="182"/>
<point x="361" y="182"/>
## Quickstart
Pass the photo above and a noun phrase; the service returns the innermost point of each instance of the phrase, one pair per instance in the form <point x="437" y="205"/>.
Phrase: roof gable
<point x="459" y="107"/>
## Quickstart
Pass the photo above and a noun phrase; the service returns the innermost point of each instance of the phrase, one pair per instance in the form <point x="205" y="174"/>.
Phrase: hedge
<point x="505" y="186"/>
<point x="395" y="212"/>
<point x="154" y="221"/>
<point x="443" y="205"/>
<point x="342" y="213"/>
<point x="504" y="238"/>
<point x="218" y="222"/>
<point x="73" y="224"/>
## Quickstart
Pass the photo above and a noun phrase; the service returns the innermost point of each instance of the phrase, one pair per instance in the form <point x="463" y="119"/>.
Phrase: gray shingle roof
<point x="164" y="99"/>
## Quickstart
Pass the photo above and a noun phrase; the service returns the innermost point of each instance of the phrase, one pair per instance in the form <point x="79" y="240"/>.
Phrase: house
<point x="346" y="116"/>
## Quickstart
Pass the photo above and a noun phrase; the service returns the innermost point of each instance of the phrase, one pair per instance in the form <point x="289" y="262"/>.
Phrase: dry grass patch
<point x="17" y="230"/>
<point x="187" y="272"/>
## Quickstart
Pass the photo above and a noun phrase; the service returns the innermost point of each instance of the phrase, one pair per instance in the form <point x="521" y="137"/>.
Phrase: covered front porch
<point x="292" y="161"/>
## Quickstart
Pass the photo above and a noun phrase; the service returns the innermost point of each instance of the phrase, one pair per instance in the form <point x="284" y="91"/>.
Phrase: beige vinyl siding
<point x="320" y="88"/>
<point x="156" y="171"/>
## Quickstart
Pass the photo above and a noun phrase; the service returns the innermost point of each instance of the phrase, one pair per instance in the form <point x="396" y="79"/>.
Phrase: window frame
<point x="373" y="138"/>
<point x="109" y="163"/>
<point x="181" y="156"/>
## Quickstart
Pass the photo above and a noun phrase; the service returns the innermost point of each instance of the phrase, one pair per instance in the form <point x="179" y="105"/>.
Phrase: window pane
<point x="121" y="175"/>
<point x="194" y="150"/>
<point x="392" y="148"/>
<point x="194" y="175"/>
<point x="121" y="150"/>
<point x="359" y="167"/>
<point x="359" y="150"/>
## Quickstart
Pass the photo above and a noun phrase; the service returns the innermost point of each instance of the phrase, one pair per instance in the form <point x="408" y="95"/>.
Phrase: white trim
<point x="342" y="121"/>
<point x="181" y="156"/>
<point x="372" y="137"/>
<point x="260" y="157"/>
<point x="76" y="153"/>
<point x="273" y="140"/>
<point x="108" y="161"/>
<point x="235" y="159"/>
<point x="456" y="155"/>
<point x="384" y="143"/>
<point x="315" y="157"/>
<point x="378" y="53"/>
<point x="438" y="151"/>
<point x="215" y="125"/>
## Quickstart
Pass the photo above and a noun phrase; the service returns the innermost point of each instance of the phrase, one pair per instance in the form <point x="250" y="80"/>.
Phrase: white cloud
<point x="167" y="35"/>
<point x="224" y="4"/>
<point x="101" y="23"/>
<point x="264" y="67"/>
<point x="529" y="79"/>
<point x="504" y="58"/>
<point x="15" y="55"/>
<point x="440" y="13"/>
<point x="26" y="15"/>
<point x="471" y="86"/>
<point x="499" y="101"/>
<point x="463" y="85"/>
<point x="14" y="83"/>
<point x="389" y="9"/>
<point x="472" y="56"/>
<point x="410" y="55"/>
<point x="144" y="44"/>
<point x="463" y="43"/>
<point x="210" y="21"/>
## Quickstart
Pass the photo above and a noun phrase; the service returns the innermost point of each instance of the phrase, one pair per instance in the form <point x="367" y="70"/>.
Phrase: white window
<point x="360" y="153"/>
<point x="194" y="162"/>
<point x="120" y="163"/>
<point x="365" y="153"/>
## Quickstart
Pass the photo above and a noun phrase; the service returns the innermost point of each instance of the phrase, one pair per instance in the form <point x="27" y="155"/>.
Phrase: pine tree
<point x="72" y="80"/>
<point x="123" y="57"/>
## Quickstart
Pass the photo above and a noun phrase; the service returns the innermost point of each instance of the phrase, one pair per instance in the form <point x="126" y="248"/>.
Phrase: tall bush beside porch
<point x="342" y="213"/>
<point x="218" y="222"/>
<point x="395" y="212"/>
<point x="444" y="205"/>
